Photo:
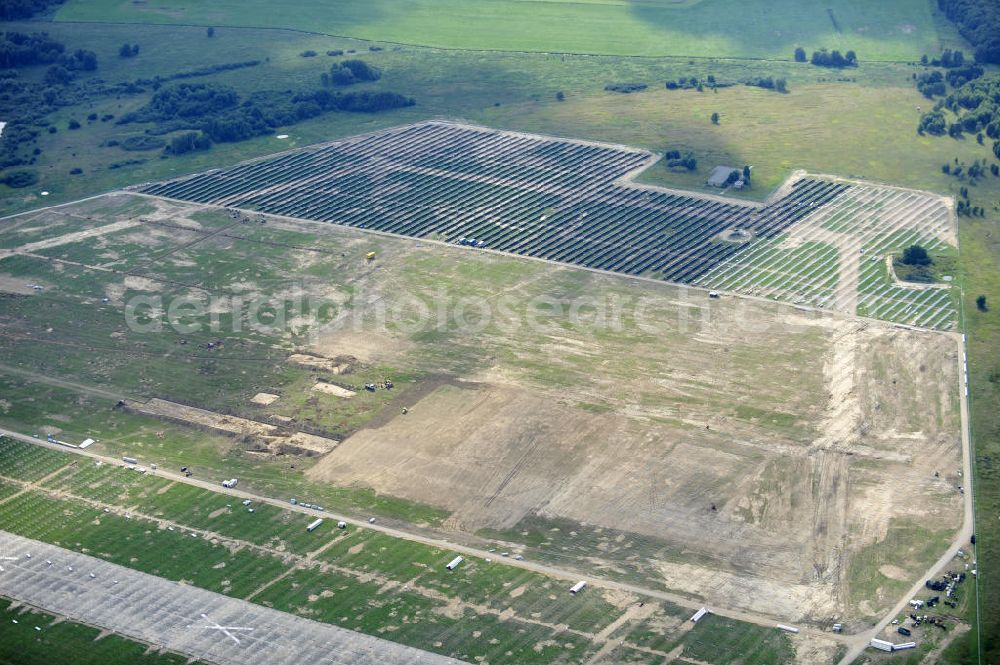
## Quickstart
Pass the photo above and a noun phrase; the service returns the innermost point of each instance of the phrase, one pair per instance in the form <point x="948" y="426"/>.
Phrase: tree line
<point x="824" y="58"/>
<point x="350" y="72"/>
<point x="222" y="115"/>
<point x="972" y="107"/>
<point x="15" y="10"/>
<point x="979" y="22"/>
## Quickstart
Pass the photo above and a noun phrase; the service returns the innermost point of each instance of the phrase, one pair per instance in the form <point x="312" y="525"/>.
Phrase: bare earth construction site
<point x="789" y="448"/>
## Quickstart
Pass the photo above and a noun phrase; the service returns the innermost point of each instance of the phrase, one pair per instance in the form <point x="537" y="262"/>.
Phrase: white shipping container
<point x="312" y="527"/>
<point x="578" y="587"/>
<point x="698" y="615"/>
<point x="787" y="629"/>
<point x="454" y="563"/>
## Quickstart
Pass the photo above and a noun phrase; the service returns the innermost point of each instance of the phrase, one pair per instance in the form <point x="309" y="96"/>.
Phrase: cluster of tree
<point x="335" y="52"/>
<point x="965" y="208"/>
<point x="80" y="60"/>
<point x="915" y="264"/>
<point x="221" y="114"/>
<point x="18" y="49"/>
<point x="128" y="50"/>
<point x="350" y="72"/>
<point x="18" y="179"/>
<point x="972" y="171"/>
<point x="142" y="142"/>
<point x="916" y="255"/>
<point x="768" y="83"/>
<point x="58" y="75"/>
<point x="931" y="84"/>
<point x="309" y="54"/>
<point x="824" y="58"/>
<point x="975" y="107"/>
<point x="947" y="60"/>
<point x="126" y="163"/>
<point x="625" y="88"/>
<point x="208" y="70"/>
<point x="979" y="23"/>
<point x="692" y="83"/>
<point x="14" y="10"/>
<point x="184" y="101"/>
<point x="353" y="102"/>
<point x="956" y="78"/>
<point x="188" y="142"/>
<point x="675" y="159"/>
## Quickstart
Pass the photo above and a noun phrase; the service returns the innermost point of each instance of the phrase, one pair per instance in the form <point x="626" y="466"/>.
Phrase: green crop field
<point x="889" y="30"/>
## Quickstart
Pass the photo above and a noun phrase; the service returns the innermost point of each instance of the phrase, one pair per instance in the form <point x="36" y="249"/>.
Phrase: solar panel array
<point x="531" y="195"/>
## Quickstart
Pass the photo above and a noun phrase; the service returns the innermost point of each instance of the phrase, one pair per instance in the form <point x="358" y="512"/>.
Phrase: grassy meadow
<point x="887" y="30"/>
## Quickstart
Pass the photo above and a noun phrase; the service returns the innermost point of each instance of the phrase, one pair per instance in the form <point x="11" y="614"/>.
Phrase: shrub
<point x="18" y="179"/>
<point x="142" y="142"/>
<point x="625" y="88"/>
<point x="915" y="255"/>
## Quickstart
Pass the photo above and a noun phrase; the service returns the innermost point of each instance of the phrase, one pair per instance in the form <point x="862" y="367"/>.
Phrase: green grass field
<point x="888" y="30"/>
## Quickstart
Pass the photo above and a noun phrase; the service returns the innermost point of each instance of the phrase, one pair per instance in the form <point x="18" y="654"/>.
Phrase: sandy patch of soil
<point x="332" y="389"/>
<point x="336" y="365"/>
<point x="264" y="399"/>
<point x="18" y="285"/>
<point x="190" y="415"/>
<point x="77" y="236"/>
<point x="142" y="284"/>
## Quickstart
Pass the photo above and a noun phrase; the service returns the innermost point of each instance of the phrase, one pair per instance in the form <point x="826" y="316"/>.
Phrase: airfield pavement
<point x="185" y="619"/>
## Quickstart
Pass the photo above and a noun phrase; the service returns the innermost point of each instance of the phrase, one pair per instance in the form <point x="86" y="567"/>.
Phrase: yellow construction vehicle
<point x="370" y="257"/>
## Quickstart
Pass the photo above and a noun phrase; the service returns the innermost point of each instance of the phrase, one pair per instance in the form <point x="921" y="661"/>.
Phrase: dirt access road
<point x="858" y="643"/>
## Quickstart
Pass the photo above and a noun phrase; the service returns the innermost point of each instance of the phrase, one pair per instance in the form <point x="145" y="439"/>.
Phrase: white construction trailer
<point x="314" y="524"/>
<point x="454" y="563"/>
<point x="696" y="617"/>
<point x="881" y="645"/>
<point x="787" y="629"/>
<point x="578" y="587"/>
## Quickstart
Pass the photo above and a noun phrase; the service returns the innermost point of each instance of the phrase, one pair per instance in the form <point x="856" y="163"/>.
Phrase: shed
<point x="314" y="524"/>
<point x="578" y="587"/>
<point x="87" y="443"/>
<point x="719" y="177"/>
<point x="454" y="563"/>
<point x="696" y="617"/>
